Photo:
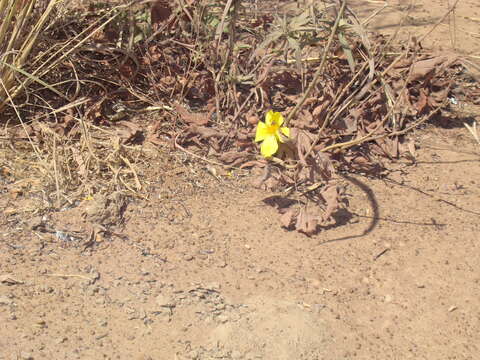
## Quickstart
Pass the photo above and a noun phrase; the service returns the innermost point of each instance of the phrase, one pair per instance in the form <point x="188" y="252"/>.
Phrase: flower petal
<point x="282" y="134"/>
<point x="278" y="119"/>
<point x="262" y="131"/>
<point x="269" y="117"/>
<point x="285" y="131"/>
<point x="269" y="146"/>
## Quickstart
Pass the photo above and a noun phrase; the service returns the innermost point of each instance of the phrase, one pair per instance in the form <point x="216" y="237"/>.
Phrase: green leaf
<point x="347" y="50"/>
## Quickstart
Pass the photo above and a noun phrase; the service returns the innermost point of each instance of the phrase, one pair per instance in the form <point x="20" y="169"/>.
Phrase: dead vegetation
<point x="196" y="76"/>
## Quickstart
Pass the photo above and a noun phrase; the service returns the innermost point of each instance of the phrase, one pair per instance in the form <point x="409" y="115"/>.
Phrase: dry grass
<point x="472" y="129"/>
<point x="84" y="100"/>
<point x="19" y="33"/>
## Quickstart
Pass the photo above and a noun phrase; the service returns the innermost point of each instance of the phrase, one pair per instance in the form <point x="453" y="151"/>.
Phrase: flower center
<point x="272" y="129"/>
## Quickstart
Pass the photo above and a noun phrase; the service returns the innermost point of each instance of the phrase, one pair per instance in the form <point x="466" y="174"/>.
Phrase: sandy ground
<point x="203" y="270"/>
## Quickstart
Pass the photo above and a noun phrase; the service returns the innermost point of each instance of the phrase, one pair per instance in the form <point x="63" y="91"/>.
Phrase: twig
<point x="70" y="276"/>
<point x="380" y="254"/>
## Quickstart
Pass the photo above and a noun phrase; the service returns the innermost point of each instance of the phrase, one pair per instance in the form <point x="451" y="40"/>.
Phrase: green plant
<point x="293" y="34"/>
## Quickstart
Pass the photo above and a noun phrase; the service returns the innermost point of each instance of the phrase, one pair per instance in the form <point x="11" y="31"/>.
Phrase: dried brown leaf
<point x="305" y="120"/>
<point x="422" y="102"/>
<point x="304" y="142"/>
<point x="427" y="68"/>
<point x="82" y="166"/>
<point x="288" y="218"/>
<point x="232" y="156"/>
<point x="128" y="132"/>
<point x="252" y="163"/>
<point x="160" y="11"/>
<point x="205" y="132"/>
<point x="191" y="118"/>
<point x="306" y="222"/>
<point x="331" y="196"/>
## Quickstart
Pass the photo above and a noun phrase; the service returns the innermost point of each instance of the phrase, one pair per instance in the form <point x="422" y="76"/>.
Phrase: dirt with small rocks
<point x="203" y="270"/>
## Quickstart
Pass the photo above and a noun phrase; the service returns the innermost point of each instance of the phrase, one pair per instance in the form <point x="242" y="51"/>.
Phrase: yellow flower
<point x="270" y="132"/>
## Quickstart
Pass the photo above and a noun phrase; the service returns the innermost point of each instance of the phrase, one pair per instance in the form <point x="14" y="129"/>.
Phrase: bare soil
<point x="202" y="269"/>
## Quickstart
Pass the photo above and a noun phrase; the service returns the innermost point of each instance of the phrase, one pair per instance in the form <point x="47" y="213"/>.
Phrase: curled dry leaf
<point x="191" y="118"/>
<point x="81" y="163"/>
<point x="408" y="149"/>
<point x="233" y="156"/>
<point x="304" y="142"/>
